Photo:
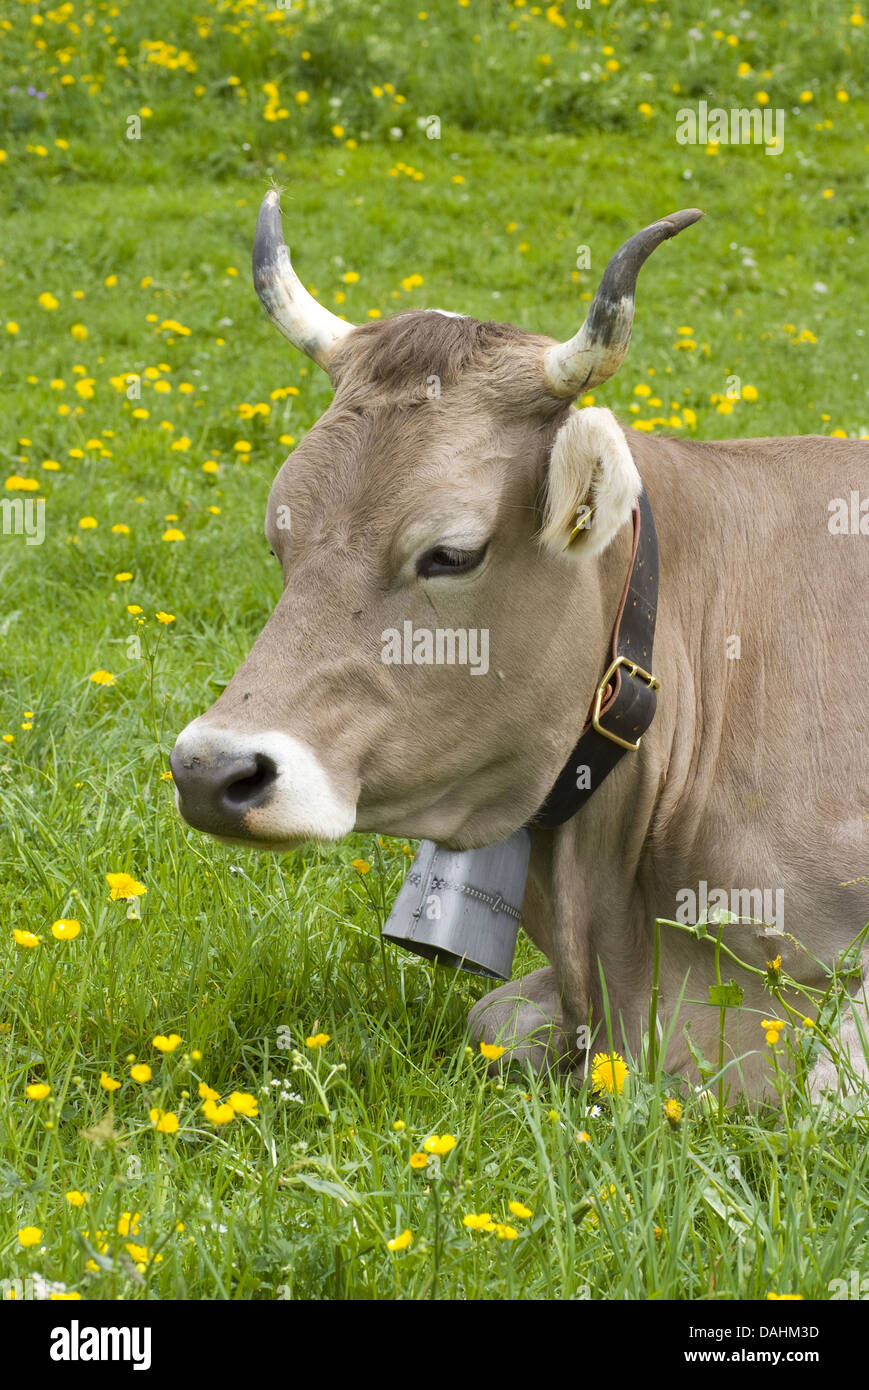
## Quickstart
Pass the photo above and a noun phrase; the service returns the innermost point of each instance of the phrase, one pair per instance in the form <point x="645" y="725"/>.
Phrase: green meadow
<point x="476" y="156"/>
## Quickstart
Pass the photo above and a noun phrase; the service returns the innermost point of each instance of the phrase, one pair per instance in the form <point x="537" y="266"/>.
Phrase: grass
<point x="246" y="957"/>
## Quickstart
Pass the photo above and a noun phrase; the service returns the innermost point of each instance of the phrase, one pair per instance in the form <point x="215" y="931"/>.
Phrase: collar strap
<point x="624" y="702"/>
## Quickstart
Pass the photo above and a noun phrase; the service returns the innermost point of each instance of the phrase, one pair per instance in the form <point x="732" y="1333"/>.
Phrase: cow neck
<point x="624" y="701"/>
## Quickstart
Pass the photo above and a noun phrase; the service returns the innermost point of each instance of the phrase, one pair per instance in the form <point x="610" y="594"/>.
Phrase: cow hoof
<point x="524" y="1017"/>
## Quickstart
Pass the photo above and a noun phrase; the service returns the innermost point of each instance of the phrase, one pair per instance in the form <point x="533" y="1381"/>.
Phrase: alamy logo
<point x="23" y="516"/>
<point x="849" y="516"/>
<point x="738" y="126"/>
<point x="748" y="904"/>
<point x="443" y="646"/>
<point x="76" y="1343"/>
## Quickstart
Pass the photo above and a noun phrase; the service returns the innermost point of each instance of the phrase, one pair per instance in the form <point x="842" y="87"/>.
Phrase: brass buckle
<point x="633" y="670"/>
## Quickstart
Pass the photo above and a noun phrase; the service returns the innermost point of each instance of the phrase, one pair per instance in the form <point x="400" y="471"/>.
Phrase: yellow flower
<point x="520" y="1210"/>
<point x="124" y="886"/>
<point x="38" y="1090"/>
<point x="164" y="1121"/>
<point x="108" y="1083"/>
<point x="439" y="1144"/>
<point x="164" y="1044"/>
<point x="79" y="331"/>
<point x="505" y="1232"/>
<point x="608" y="1072"/>
<point x="173" y="534"/>
<point x="76" y="1198"/>
<point x="398" y="1126"/>
<point x="25" y="938"/>
<point x="141" y="1072"/>
<point x="361" y="866"/>
<point x="418" y="1160"/>
<point x="165" y="618"/>
<point x="66" y="929"/>
<point x="243" y="1103"/>
<point x="218" y="1114"/>
<point x="784" y="1297"/>
<point x="72" y="1295"/>
<point x="399" y="1242"/>
<point x="749" y="393"/>
<point x="317" y="1040"/>
<point x="29" y="1235"/>
<point x="478" y="1221"/>
<point x="102" y="677"/>
<point x="48" y="301"/>
<point x="128" y="1223"/>
<point x="673" y="1111"/>
<point x="88" y="523"/>
<point x="491" y="1051"/>
<point x="133" y="608"/>
<point x="207" y="1093"/>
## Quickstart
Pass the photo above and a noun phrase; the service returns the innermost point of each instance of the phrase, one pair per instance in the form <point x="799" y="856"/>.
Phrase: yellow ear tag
<point x="583" y="519"/>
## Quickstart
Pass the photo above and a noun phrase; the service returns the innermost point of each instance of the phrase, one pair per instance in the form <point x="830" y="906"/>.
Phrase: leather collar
<point x="625" y="700"/>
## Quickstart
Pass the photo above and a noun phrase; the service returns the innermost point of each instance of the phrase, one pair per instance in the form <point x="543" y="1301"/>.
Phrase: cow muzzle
<point x="268" y="790"/>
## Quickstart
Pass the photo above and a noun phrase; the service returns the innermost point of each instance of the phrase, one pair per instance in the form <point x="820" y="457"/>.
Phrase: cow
<point x="454" y="483"/>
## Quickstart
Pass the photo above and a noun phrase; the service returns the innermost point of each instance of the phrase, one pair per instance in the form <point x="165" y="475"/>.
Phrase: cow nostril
<point x="247" y="791"/>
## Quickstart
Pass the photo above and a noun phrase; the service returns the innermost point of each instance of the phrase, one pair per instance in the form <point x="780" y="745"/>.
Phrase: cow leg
<point x="524" y="1016"/>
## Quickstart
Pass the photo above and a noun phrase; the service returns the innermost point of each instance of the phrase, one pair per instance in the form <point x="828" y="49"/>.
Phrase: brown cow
<point x="440" y="489"/>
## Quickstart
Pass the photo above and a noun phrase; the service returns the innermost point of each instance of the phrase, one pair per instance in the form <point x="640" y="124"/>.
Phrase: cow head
<point x="422" y="673"/>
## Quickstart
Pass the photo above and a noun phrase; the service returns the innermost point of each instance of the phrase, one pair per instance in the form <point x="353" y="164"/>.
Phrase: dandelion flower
<point x="38" y="1090"/>
<point x="491" y="1051"/>
<point x="673" y="1112"/>
<point x="124" y="886"/>
<point x="29" y="1235"/>
<point x="608" y="1072"/>
<point x="141" y="1072"/>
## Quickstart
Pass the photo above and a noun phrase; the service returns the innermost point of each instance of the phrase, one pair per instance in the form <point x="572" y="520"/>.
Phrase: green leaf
<point x="727" y="996"/>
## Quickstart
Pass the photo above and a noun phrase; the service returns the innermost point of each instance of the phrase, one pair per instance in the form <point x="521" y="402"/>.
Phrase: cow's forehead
<point x="386" y="464"/>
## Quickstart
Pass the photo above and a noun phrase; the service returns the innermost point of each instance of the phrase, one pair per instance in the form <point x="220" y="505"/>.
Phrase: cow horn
<point x="296" y="313"/>
<point x="597" y="351"/>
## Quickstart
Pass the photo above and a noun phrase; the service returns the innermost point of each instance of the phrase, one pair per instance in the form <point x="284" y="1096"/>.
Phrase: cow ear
<point x="592" y="476"/>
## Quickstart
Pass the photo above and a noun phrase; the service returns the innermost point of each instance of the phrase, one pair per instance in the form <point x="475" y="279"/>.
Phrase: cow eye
<point x="448" y="559"/>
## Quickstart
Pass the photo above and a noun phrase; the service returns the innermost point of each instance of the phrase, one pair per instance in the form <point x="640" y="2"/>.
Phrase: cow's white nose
<point x="268" y="788"/>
